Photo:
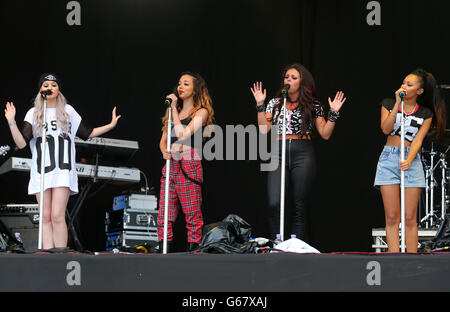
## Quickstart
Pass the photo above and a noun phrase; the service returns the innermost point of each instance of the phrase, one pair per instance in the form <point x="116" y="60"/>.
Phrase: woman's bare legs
<point x="391" y="201"/>
<point x="47" y="228"/>
<point x="54" y="227"/>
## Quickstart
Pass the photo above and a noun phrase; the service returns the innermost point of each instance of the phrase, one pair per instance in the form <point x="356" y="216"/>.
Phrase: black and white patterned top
<point x="413" y="121"/>
<point x="294" y="118"/>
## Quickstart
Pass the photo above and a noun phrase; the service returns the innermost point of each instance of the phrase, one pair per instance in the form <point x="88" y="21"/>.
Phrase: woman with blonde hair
<point x="63" y="124"/>
<point x="191" y="111"/>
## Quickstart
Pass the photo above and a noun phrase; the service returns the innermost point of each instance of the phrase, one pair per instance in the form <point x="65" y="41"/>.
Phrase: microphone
<point x="285" y="89"/>
<point x="402" y="94"/>
<point x="46" y="92"/>
<point x="168" y="101"/>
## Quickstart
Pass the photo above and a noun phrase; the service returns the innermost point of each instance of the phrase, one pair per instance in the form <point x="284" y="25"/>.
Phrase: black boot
<point x="192" y="246"/>
<point x="161" y="246"/>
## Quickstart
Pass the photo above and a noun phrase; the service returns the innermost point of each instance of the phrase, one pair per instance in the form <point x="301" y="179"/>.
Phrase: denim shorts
<point x="388" y="169"/>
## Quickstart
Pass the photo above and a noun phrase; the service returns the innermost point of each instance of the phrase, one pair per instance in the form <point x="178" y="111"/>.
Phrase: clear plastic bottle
<point x="18" y="238"/>
<point x="277" y="241"/>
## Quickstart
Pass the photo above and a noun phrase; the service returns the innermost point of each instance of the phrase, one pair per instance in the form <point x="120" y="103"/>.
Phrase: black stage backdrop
<point x="130" y="54"/>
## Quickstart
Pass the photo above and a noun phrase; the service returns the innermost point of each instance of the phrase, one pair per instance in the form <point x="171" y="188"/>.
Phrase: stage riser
<point x="225" y="273"/>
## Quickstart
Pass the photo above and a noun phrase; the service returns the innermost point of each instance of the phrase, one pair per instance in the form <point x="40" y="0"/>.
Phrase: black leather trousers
<point x="300" y="175"/>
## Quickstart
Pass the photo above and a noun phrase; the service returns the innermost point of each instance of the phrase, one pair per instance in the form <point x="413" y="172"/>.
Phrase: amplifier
<point x="131" y="219"/>
<point x="130" y="239"/>
<point x="136" y="201"/>
<point x="23" y="219"/>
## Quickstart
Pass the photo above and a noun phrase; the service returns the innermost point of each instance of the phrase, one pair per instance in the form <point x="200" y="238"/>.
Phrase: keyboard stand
<point x="73" y="215"/>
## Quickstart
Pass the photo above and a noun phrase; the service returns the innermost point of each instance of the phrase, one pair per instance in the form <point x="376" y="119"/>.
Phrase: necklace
<point x="291" y="105"/>
<point x="411" y="112"/>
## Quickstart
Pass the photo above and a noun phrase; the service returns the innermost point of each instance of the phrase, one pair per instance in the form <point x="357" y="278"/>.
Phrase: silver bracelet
<point x="12" y="124"/>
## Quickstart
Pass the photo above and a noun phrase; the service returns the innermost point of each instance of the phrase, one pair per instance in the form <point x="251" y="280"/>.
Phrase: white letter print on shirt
<point x="412" y="126"/>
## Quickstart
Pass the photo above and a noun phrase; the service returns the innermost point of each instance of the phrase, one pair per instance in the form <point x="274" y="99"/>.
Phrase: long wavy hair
<point x="432" y="98"/>
<point x="62" y="118"/>
<point x="306" y="98"/>
<point x="202" y="99"/>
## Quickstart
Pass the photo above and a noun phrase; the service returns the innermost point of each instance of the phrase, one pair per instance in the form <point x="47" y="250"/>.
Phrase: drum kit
<point x="436" y="197"/>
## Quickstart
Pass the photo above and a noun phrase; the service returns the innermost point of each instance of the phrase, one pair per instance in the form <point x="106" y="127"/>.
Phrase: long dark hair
<point x="432" y="98"/>
<point x="306" y="98"/>
<point x="202" y="99"/>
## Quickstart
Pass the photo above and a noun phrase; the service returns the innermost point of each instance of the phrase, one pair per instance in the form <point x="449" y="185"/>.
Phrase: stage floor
<point x="190" y="272"/>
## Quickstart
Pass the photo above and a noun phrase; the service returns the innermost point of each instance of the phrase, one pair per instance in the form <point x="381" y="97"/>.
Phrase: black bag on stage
<point x="441" y="242"/>
<point x="231" y="235"/>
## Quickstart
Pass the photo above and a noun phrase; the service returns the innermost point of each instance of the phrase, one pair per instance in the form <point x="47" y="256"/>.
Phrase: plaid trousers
<point x="185" y="193"/>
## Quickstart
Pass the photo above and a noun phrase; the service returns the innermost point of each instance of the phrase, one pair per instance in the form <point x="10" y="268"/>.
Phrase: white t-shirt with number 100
<point x="60" y="170"/>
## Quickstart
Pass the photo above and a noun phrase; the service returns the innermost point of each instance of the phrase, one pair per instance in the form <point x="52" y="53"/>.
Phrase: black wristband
<point x="333" y="116"/>
<point x="261" y="108"/>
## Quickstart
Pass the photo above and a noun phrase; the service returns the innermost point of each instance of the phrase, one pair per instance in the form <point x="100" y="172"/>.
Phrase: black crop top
<point x="192" y="140"/>
<point x="413" y="121"/>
